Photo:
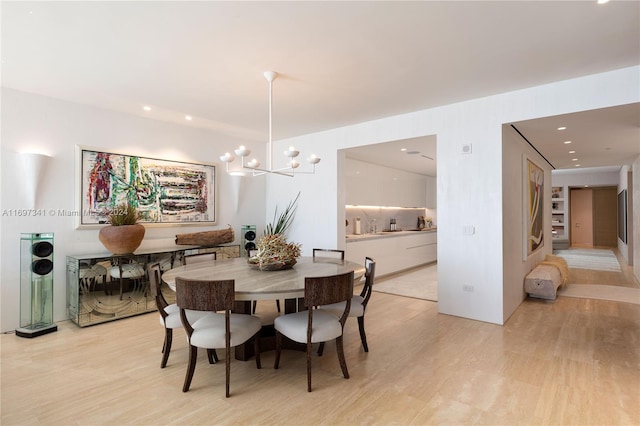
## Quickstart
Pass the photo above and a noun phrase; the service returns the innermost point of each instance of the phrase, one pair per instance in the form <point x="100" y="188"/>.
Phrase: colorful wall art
<point x="534" y="211"/>
<point x="164" y="192"/>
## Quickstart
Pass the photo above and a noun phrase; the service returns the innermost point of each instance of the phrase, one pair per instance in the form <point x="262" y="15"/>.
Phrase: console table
<point x="94" y="296"/>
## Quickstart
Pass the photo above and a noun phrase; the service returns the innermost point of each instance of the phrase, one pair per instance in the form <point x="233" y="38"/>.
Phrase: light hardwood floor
<point x="568" y="362"/>
<point x="624" y="278"/>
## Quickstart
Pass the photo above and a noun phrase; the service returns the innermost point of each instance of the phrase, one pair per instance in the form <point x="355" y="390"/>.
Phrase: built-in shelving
<point x="559" y="228"/>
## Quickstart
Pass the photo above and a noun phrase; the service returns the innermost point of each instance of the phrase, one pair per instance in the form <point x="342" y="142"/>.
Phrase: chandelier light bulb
<point x="253" y="164"/>
<point x="242" y="151"/>
<point x="291" y="152"/>
<point x="313" y="159"/>
<point x="227" y="157"/>
<point x="294" y="164"/>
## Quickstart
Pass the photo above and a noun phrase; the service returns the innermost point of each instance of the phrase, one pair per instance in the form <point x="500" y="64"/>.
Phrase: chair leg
<point x="276" y="363"/>
<point x="308" y="366"/>
<point x="321" y="349"/>
<point x="228" y="370"/>
<point x="253" y="308"/>
<point x="193" y="357"/>
<point x="213" y="357"/>
<point x="343" y="362"/>
<point x="278" y="304"/>
<point x="363" y="335"/>
<point x="166" y="349"/>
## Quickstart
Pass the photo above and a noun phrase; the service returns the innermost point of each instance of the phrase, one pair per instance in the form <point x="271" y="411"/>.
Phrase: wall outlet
<point x="468" y="288"/>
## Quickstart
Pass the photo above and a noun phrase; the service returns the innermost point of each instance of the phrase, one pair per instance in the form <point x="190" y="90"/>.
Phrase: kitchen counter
<point x="352" y="238"/>
<point x="394" y="251"/>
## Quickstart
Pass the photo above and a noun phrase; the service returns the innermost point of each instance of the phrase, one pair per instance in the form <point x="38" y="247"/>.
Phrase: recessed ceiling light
<point x="188" y="117"/>
<point x="146" y="108"/>
<point x="603" y="1"/>
<point x="562" y="128"/>
<point x="567" y="142"/>
<point x="403" y="149"/>
<point x="572" y="152"/>
<point x="577" y="165"/>
<point x="574" y="159"/>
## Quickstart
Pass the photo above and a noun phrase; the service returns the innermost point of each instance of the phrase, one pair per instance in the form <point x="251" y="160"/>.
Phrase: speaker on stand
<point x="36" y="285"/>
<point x="248" y="233"/>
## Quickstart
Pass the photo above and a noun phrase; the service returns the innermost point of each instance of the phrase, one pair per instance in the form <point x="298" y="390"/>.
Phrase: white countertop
<point x="353" y="237"/>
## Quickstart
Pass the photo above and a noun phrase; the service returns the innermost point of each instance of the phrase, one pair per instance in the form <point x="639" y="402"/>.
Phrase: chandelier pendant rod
<point x="270" y="76"/>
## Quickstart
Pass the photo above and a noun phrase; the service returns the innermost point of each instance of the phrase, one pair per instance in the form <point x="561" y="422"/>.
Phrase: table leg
<point x="246" y="351"/>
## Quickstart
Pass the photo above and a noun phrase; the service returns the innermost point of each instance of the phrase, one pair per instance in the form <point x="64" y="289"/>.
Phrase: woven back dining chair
<point x="196" y="258"/>
<point x="328" y="253"/>
<point x="315" y="325"/>
<point x="219" y="328"/>
<point x="358" y="303"/>
<point x="169" y="313"/>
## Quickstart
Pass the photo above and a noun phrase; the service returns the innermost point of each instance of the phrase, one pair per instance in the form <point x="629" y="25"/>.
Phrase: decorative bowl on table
<point x="274" y="254"/>
<point x="274" y="266"/>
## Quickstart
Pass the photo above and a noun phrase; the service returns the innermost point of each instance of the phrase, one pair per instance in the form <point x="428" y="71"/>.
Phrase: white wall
<point x="513" y="209"/>
<point x="635" y="221"/>
<point x="35" y="123"/>
<point x="469" y="186"/>
<point x="626" y="249"/>
<point x="593" y="176"/>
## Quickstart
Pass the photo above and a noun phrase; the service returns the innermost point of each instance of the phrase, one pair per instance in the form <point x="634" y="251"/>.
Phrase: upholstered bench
<point x="543" y="281"/>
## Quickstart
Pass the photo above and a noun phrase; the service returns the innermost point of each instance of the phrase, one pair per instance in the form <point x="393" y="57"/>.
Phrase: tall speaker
<point x="248" y="233"/>
<point x="36" y="285"/>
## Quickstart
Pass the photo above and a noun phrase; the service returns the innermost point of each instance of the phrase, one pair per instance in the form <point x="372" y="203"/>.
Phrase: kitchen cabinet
<point x="395" y="252"/>
<point x="373" y="185"/>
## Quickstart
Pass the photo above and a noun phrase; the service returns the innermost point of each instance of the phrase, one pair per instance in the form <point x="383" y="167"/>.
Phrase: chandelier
<point x="254" y="165"/>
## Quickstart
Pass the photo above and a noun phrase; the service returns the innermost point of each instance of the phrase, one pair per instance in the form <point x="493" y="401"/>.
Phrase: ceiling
<point x="340" y="63"/>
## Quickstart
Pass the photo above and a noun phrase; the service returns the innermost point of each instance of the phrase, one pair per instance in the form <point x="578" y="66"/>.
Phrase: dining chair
<point x="169" y="313"/>
<point x="329" y="253"/>
<point x="196" y="258"/>
<point x="315" y="325"/>
<point x="358" y="303"/>
<point x="215" y="329"/>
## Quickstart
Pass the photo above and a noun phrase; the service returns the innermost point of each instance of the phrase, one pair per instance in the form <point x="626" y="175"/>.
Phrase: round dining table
<point x="253" y="284"/>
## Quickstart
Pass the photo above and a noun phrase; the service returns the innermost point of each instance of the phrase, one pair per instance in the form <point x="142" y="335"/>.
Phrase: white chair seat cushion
<point x="129" y="270"/>
<point x="326" y="326"/>
<point x="173" y="319"/>
<point x="209" y="331"/>
<point x="356" y="310"/>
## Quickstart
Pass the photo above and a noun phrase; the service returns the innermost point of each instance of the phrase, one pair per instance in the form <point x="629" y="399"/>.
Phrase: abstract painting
<point x="164" y="192"/>
<point x="534" y="211"/>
